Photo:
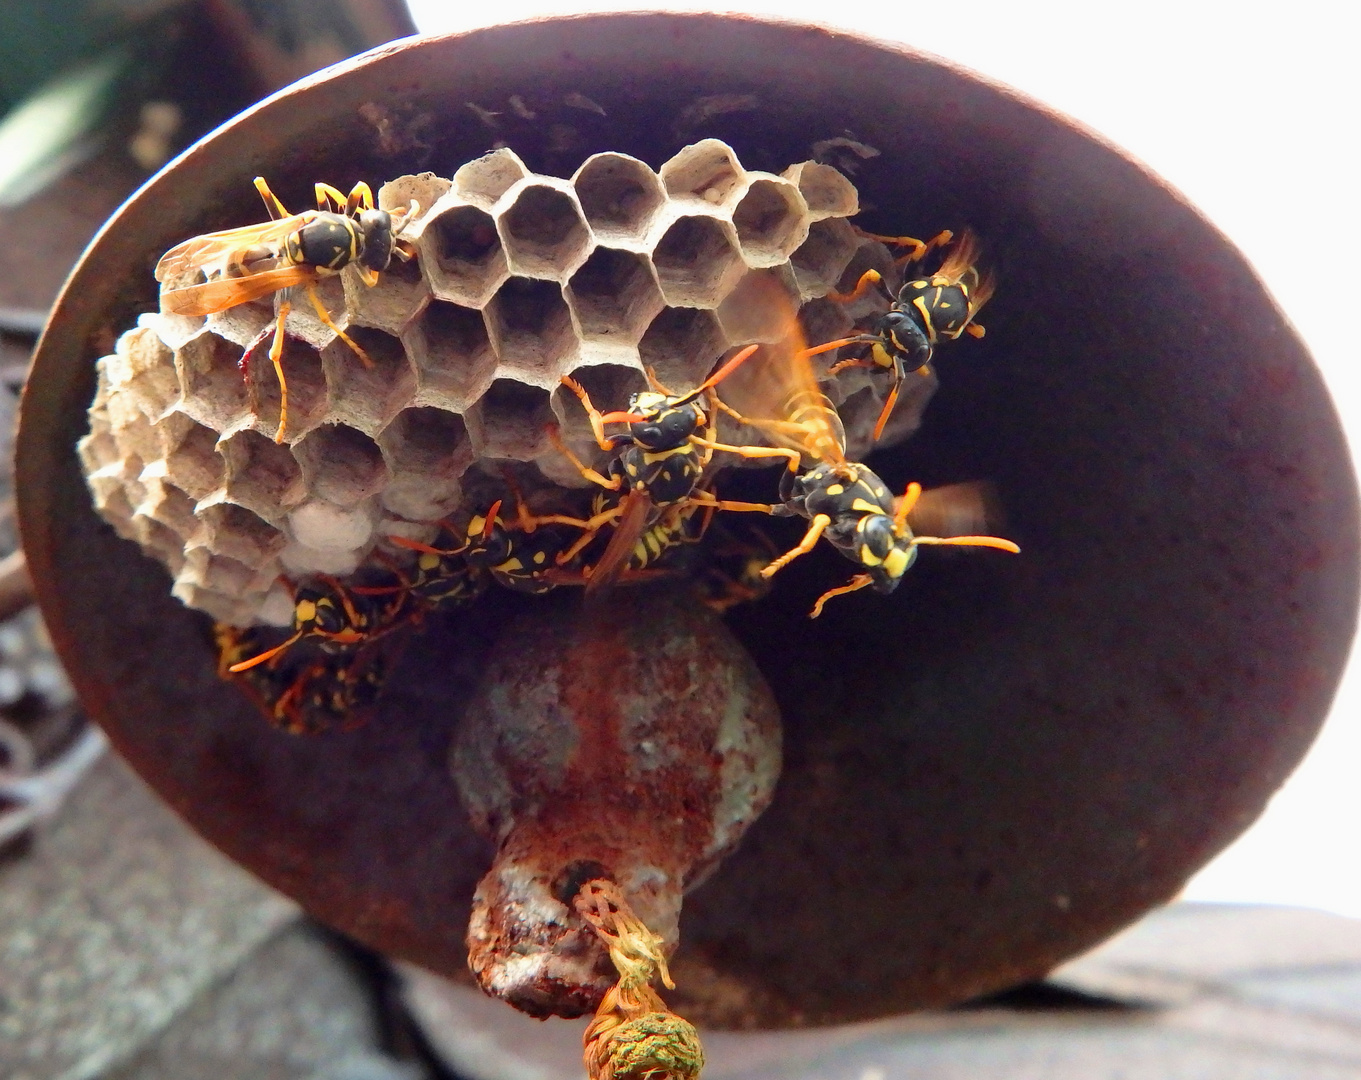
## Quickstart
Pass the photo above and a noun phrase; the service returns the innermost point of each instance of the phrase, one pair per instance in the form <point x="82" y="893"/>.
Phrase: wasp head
<point x="375" y="226"/>
<point x="886" y="551"/>
<point x="903" y="330"/>
<point x="665" y="425"/>
<point x="488" y="542"/>
<point x="316" y="611"/>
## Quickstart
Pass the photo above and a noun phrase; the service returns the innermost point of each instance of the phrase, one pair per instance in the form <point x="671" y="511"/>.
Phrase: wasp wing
<point x="966" y="509"/>
<point x="961" y="265"/>
<point x="777" y="393"/>
<point x="209" y="297"/>
<point x="230" y="247"/>
<point x="634" y="519"/>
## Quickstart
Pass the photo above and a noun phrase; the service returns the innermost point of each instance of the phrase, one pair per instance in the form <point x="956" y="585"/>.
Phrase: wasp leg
<point x="809" y="541"/>
<point x="846" y="365"/>
<point x="891" y="400"/>
<point x="868" y="280"/>
<point x="655" y="382"/>
<point x="328" y="198"/>
<point x="596" y="417"/>
<point x="408" y="216"/>
<point x="857" y="582"/>
<point x="975" y="330"/>
<point x="709" y="512"/>
<point x="287" y="710"/>
<point x="703" y="498"/>
<point x="752" y="451"/>
<point x="581" y="467"/>
<point x="276" y="353"/>
<point x="527" y="522"/>
<point x="777" y="427"/>
<point x="325" y="317"/>
<point x="361" y="196"/>
<point x="272" y="204"/>
<point x="919" y="249"/>
<point x="592" y="530"/>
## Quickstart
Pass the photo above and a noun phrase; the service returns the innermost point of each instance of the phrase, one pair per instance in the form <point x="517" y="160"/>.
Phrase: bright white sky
<point x="1253" y="111"/>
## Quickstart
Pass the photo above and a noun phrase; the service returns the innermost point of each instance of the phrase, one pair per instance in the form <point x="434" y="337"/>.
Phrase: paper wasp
<point x="304" y="691"/>
<point x="290" y="250"/>
<point x="524" y="553"/>
<point x="924" y="311"/>
<point x="731" y="574"/>
<point x="662" y="462"/>
<point x="338" y="616"/>
<point x="672" y="527"/>
<point x="844" y="501"/>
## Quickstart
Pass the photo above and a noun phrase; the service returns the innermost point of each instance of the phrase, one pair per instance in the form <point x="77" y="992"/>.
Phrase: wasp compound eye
<point x="878" y="536"/>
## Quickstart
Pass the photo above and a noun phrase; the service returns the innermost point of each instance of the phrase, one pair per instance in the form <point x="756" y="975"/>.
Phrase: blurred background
<point x="1254" y="117"/>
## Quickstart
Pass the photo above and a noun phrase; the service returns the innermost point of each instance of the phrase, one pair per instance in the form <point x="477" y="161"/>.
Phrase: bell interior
<point x="986" y="772"/>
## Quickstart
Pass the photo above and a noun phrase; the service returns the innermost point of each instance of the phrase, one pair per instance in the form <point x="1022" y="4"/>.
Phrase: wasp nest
<point x="519" y="280"/>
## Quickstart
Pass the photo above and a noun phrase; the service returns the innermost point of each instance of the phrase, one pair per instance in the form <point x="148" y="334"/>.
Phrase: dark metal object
<point x="1032" y="752"/>
<point x="632" y="740"/>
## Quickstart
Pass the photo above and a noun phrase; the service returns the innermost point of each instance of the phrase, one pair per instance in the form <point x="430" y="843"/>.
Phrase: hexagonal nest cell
<point x="514" y="281"/>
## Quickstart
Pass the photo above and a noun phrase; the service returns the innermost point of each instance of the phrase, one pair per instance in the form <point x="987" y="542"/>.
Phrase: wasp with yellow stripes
<point x="523" y="553"/>
<point x="844" y="501"/>
<point x="661" y="462"/>
<point x="289" y="251"/>
<point x="925" y="311"/>
<point x="304" y="692"/>
<point x="338" y="616"/>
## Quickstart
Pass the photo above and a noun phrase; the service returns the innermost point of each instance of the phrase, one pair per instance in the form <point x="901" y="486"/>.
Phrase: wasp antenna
<point x="490" y="523"/>
<point x="416" y="545"/>
<point x="886" y="412"/>
<point x="718" y="376"/>
<point x="268" y="654"/>
<point x="969" y="541"/>
<point x="621" y="418"/>
<point x="828" y="346"/>
<point x="905" y="504"/>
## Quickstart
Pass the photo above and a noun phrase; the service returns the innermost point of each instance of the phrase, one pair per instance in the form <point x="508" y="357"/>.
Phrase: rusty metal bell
<point x="985" y="773"/>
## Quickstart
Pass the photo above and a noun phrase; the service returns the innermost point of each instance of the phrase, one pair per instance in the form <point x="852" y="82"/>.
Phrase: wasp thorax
<point x="328" y="241"/>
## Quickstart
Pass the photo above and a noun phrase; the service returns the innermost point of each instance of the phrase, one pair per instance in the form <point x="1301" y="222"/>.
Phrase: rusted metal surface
<point x="633" y="740"/>
<point x="985" y="773"/>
